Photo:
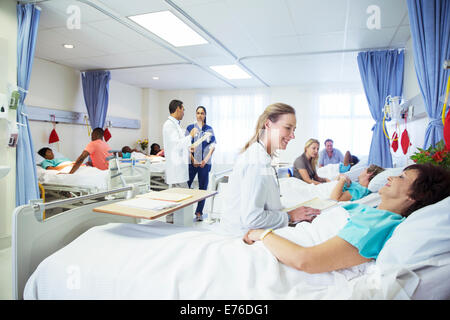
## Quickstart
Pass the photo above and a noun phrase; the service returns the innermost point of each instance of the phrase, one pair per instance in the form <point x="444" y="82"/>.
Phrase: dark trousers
<point x="203" y="179"/>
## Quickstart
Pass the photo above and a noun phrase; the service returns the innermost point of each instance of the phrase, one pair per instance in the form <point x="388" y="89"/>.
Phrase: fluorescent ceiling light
<point x="68" y="46"/>
<point x="231" y="71"/>
<point x="155" y="78"/>
<point x="169" y="27"/>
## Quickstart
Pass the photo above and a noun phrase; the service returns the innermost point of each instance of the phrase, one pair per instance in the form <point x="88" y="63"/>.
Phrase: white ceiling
<point x="279" y="42"/>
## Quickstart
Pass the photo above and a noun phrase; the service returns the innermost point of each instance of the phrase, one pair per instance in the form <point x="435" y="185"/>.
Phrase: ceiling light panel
<point x="231" y="72"/>
<point x="169" y="27"/>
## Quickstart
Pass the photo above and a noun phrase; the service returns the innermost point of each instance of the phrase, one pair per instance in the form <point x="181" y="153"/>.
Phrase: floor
<point x="6" y="268"/>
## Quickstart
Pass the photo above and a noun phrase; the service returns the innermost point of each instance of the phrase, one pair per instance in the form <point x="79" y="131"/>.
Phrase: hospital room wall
<point x="8" y="67"/>
<point x="59" y="87"/>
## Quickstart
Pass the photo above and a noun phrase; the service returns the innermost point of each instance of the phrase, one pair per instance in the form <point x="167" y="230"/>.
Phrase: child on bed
<point x="346" y="189"/>
<point x="52" y="163"/>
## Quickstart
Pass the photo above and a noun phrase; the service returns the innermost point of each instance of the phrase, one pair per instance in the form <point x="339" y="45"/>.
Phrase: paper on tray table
<point x="165" y="196"/>
<point x="147" y="204"/>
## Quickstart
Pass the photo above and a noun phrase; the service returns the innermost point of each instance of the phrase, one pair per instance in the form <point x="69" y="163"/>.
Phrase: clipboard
<point x="201" y="139"/>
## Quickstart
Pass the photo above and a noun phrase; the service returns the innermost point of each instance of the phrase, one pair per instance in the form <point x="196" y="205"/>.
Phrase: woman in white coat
<point x="253" y="197"/>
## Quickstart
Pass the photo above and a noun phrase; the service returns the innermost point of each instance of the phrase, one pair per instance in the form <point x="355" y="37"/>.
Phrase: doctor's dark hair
<point x="203" y="110"/>
<point x="272" y="113"/>
<point x="431" y="185"/>
<point x="173" y="105"/>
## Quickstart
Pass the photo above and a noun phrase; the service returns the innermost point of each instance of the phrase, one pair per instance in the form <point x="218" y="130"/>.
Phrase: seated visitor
<point x="305" y="165"/>
<point x="97" y="150"/>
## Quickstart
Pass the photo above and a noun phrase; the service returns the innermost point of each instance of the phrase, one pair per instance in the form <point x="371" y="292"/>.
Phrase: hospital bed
<point x="157" y="174"/>
<point x="89" y="180"/>
<point x="80" y="254"/>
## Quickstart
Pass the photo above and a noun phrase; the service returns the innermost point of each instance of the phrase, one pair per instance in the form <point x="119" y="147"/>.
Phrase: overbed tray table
<point x="182" y="212"/>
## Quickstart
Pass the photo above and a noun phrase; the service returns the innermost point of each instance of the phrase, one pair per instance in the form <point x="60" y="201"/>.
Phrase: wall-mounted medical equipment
<point x="71" y="117"/>
<point x="4" y="106"/>
<point x="13" y="96"/>
<point x="13" y="134"/>
<point x="397" y="109"/>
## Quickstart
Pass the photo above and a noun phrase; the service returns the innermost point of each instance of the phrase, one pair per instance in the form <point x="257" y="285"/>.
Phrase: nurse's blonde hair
<point x="272" y="113"/>
<point x="316" y="159"/>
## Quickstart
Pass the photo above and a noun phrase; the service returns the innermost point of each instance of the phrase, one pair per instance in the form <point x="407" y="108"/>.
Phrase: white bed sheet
<point x="85" y="176"/>
<point x="157" y="261"/>
<point x="157" y="166"/>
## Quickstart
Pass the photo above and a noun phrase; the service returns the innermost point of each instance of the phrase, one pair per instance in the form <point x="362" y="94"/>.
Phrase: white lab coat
<point x="176" y="151"/>
<point x="252" y="200"/>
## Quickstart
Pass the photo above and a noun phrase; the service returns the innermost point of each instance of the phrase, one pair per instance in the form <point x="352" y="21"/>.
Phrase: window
<point x="233" y="119"/>
<point x="346" y="119"/>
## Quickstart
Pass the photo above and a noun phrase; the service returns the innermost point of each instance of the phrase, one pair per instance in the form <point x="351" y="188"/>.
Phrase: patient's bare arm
<point x="79" y="161"/>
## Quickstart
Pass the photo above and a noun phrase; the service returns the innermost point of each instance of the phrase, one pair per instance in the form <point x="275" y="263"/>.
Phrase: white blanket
<point x="85" y="176"/>
<point x="161" y="261"/>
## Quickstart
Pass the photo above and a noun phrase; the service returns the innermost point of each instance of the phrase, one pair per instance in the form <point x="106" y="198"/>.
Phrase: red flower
<point x="438" y="156"/>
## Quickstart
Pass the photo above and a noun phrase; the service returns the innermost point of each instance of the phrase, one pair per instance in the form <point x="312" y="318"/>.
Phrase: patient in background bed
<point x="346" y="189"/>
<point x="367" y="229"/>
<point x="52" y="163"/>
<point x="128" y="153"/>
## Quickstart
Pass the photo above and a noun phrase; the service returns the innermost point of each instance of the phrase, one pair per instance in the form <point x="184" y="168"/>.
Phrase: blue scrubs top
<point x="356" y="190"/>
<point x="368" y="228"/>
<point x="53" y="163"/>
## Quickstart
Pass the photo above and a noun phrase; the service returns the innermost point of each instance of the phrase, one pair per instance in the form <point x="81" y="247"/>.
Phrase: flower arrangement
<point x="143" y="144"/>
<point x="438" y="155"/>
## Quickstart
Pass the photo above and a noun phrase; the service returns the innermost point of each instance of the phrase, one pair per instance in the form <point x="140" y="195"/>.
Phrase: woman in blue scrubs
<point x="367" y="228"/>
<point x="201" y="157"/>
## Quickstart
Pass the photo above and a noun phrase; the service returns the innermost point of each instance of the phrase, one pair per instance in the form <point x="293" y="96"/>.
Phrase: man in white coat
<point x="176" y="147"/>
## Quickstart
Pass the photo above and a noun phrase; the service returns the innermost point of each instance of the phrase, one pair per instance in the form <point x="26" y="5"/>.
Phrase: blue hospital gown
<point x="356" y="190"/>
<point x="53" y="163"/>
<point x="368" y="228"/>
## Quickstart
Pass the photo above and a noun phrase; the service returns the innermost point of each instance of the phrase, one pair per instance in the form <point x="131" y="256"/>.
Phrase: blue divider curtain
<point x="430" y="30"/>
<point x="382" y="75"/>
<point x="26" y="178"/>
<point x="96" y="94"/>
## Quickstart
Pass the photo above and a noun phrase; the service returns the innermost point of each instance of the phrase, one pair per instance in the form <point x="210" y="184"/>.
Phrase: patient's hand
<point x="303" y="214"/>
<point x="252" y="235"/>
<point x="343" y="177"/>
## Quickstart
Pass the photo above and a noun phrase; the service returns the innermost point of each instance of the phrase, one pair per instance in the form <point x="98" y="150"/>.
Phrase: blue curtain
<point x="26" y="178"/>
<point x="430" y="30"/>
<point x="96" y="93"/>
<point x="382" y="75"/>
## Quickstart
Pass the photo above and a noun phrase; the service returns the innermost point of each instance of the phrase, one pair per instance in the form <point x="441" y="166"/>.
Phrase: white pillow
<point x="421" y="244"/>
<point x="381" y="179"/>
<point x="424" y="234"/>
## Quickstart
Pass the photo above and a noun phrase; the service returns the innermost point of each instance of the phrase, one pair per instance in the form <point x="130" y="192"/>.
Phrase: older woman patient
<point x="367" y="229"/>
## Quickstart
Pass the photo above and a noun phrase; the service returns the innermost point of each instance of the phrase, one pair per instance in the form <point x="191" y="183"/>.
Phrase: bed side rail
<point x="34" y="239"/>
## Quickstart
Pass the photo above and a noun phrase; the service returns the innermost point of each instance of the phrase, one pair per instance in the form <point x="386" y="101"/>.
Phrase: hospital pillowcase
<point x="420" y="245"/>
<point x="381" y="179"/>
